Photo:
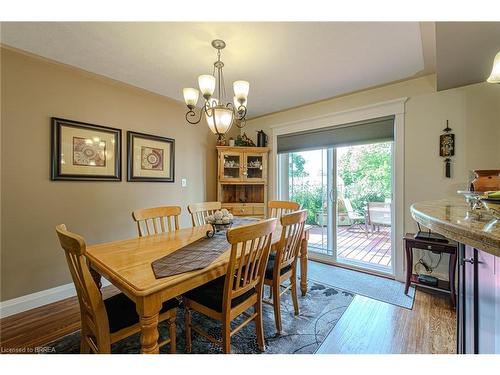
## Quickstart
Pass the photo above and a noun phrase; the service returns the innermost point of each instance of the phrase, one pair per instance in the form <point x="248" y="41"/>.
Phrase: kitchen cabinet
<point x="478" y="237"/>
<point x="478" y="309"/>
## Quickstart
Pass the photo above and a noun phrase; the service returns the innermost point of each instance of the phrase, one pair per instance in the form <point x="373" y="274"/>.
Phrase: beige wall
<point x="33" y="90"/>
<point x="474" y="115"/>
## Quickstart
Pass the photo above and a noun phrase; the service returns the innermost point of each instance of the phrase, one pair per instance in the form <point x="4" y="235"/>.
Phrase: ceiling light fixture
<point x="495" y="72"/>
<point x="219" y="113"/>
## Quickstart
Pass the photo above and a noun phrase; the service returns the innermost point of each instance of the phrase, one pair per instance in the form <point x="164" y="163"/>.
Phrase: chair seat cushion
<point x="270" y="267"/>
<point x="122" y="314"/>
<point x="211" y="295"/>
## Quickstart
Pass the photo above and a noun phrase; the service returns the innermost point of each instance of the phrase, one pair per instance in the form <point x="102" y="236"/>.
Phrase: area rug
<point x="376" y="287"/>
<point x="320" y="310"/>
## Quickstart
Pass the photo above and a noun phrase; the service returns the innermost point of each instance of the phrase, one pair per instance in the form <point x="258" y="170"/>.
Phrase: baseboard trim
<point x="34" y="300"/>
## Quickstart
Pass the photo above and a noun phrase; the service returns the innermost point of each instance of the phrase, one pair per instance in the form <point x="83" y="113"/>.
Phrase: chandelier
<point x="219" y="113"/>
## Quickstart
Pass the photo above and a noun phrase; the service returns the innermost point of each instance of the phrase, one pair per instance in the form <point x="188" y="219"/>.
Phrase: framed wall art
<point x="150" y="158"/>
<point x="84" y="152"/>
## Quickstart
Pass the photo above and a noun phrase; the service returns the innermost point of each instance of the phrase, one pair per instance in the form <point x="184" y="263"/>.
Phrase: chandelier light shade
<point x="241" y="89"/>
<point x="219" y="119"/>
<point x="220" y="113"/>
<point x="207" y="85"/>
<point x="495" y="72"/>
<point x="191" y="97"/>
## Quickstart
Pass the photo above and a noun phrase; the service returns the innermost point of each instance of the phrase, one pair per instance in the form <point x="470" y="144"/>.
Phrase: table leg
<point x="148" y="309"/>
<point x="409" y="265"/>
<point x="451" y="276"/>
<point x="303" y="263"/>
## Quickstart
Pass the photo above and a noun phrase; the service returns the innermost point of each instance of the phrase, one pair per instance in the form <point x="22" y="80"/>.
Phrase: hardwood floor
<point x="367" y="326"/>
<point x="44" y="324"/>
<point x="373" y="327"/>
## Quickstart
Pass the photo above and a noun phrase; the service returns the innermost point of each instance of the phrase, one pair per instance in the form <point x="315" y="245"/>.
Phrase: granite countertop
<point x="453" y="219"/>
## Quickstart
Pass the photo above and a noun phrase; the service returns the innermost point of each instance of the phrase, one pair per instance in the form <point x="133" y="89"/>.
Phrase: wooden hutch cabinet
<point x="242" y="179"/>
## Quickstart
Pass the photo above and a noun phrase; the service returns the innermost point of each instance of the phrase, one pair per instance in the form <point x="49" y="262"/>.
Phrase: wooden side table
<point x="436" y="247"/>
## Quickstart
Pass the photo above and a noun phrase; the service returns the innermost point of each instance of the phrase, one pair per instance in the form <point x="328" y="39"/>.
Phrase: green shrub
<point x="366" y="172"/>
<point x="310" y="197"/>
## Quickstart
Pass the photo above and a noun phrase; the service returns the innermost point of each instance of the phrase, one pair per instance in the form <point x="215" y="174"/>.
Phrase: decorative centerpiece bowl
<point x="473" y="198"/>
<point x="493" y="207"/>
<point x="491" y="201"/>
<point x="220" y="220"/>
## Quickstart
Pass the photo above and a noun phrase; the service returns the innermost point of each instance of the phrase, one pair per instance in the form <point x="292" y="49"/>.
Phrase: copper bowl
<point x="486" y="180"/>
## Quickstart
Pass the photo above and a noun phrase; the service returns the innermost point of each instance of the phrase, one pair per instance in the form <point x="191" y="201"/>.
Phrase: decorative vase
<point x="261" y="138"/>
<point x="486" y="180"/>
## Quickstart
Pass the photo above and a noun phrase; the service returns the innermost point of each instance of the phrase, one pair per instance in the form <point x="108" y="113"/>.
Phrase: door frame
<point x="394" y="107"/>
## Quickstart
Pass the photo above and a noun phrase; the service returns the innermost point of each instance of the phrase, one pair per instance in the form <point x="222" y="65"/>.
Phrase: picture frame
<point x="150" y="158"/>
<point x="84" y="152"/>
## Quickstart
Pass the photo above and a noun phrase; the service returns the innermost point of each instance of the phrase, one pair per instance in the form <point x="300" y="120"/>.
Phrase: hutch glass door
<point x="231" y="166"/>
<point x="254" y="167"/>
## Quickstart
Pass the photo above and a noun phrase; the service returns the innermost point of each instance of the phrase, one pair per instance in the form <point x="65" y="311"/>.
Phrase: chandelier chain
<point x="223" y="88"/>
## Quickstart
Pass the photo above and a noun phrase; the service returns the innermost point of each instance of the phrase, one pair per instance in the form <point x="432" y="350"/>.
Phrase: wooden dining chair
<point x="279" y="208"/>
<point x="282" y="264"/>
<point x="157" y="220"/>
<point x="230" y="296"/>
<point x="199" y="211"/>
<point x="104" y="322"/>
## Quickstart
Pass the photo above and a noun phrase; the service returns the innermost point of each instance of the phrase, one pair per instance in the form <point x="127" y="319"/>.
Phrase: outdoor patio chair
<point x="378" y="214"/>
<point x="354" y="217"/>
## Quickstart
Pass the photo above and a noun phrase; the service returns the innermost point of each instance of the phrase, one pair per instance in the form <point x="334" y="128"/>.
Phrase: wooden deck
<point x="354" y="245"/>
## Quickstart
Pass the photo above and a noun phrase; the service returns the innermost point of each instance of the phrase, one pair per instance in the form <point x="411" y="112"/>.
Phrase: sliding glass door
<point x="308" y="179"/>
<point x="348" y="192"/>
<point x="363" y="186"/>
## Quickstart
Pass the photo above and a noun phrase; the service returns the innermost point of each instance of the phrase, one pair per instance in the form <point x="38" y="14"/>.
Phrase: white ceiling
<point x="287" y="63"/>
<point x="465" y="52"/>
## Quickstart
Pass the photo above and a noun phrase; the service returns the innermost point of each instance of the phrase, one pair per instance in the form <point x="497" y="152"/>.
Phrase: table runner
<point x="196" y="255"/>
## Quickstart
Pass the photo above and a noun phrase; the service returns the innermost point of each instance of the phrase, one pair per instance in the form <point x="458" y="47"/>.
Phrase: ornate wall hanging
<point x="447" y="148"/>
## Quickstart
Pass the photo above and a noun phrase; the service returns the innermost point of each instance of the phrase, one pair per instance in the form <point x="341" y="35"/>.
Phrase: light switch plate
<point x="184" y="182"/>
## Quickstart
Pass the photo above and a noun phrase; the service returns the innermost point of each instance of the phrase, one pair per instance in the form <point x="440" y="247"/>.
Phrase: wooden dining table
<point x="127" y="265"/>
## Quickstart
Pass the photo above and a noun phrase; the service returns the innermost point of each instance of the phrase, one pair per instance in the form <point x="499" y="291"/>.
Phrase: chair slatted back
<point x="157" y="220"/>
<point x="199" y="211"/>
<point x="279" y="208"/>
<point x="92" y="308"/>
<point x="250" y="247"/>
<point x="291" y="235"/>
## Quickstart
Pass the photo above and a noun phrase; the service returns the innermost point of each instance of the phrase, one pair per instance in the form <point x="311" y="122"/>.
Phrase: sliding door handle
<point x="469" y="260"/>
<point x="331" y="194"/>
